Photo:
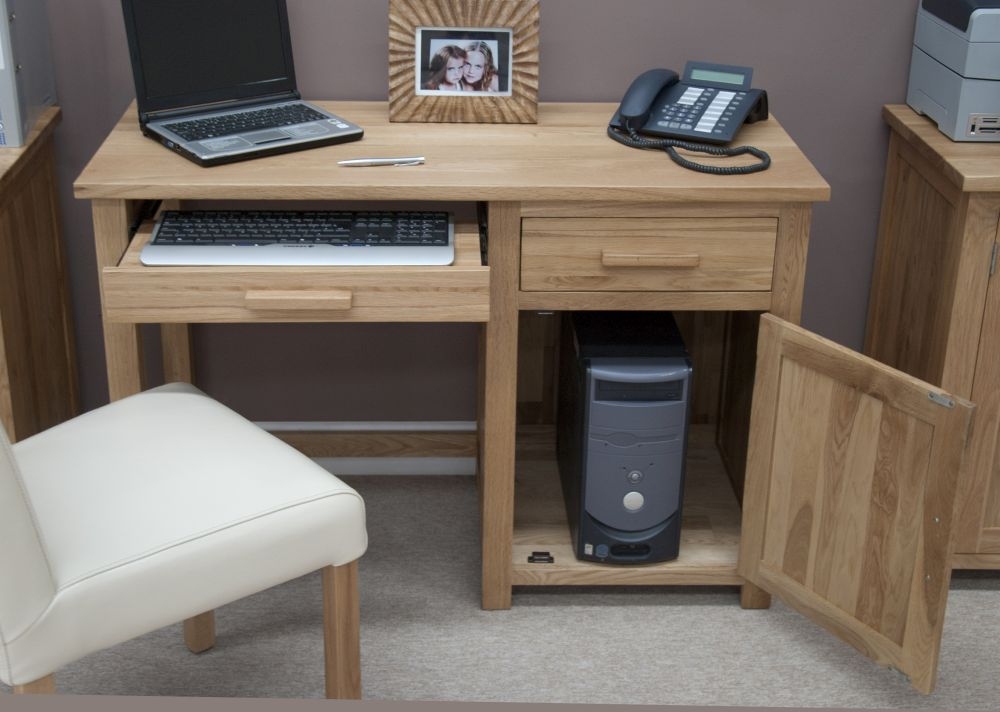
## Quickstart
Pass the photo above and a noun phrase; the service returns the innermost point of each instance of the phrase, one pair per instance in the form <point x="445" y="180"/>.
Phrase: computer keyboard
<point x="241" y="121"/>
<point x="300" y="237"/>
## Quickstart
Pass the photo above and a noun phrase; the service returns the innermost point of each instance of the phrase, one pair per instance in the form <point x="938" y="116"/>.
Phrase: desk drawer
<point x="134" y="292"/>
<point x="647" y="254"/>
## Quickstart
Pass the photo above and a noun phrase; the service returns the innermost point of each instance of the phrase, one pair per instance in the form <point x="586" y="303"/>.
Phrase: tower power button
<point x="633" y="501"/>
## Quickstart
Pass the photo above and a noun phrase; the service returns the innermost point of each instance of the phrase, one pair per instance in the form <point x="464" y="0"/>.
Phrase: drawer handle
<point x="314" y="300"/>
<point x="629" y="259"/>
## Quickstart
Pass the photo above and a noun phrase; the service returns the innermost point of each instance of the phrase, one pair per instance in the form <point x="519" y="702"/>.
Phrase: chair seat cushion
<point x="167" y="504"/>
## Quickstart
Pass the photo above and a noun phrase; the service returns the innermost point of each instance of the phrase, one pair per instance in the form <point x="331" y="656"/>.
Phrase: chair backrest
<point x="26" y="585"/>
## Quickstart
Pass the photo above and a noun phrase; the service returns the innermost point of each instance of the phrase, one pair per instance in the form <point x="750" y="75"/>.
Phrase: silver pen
<point x="405" y="161"/>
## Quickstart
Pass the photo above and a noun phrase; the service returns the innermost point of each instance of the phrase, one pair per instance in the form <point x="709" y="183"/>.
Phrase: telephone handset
<point x="708" y="105"/>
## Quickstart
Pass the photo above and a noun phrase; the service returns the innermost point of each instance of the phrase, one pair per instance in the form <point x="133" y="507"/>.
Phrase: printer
<point x="955" y="67"/>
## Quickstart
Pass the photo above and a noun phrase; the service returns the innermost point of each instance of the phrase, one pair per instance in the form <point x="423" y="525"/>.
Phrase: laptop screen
<point x="190" y="52"/>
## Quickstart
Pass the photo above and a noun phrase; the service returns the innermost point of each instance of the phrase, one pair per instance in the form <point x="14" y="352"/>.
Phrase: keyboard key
<point x="244" y="121"/>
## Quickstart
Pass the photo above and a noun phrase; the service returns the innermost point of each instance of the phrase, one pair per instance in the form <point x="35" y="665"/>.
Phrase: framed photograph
<point x="463" y="61"/>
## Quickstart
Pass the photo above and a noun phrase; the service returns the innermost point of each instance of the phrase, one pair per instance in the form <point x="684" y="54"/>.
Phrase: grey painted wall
<point x="828" y="68"/>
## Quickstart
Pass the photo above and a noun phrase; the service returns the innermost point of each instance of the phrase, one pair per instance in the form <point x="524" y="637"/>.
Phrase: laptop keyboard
<point x="243" y="121"/>
<point x="262" y="237"/>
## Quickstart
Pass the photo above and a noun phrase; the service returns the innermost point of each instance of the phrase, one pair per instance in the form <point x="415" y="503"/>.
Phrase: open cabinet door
<point x="850" y="487"/>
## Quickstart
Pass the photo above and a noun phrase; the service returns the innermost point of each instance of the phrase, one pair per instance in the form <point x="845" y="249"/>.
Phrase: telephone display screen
<point x="721" y="76"/>
<point x="710" y="75"/>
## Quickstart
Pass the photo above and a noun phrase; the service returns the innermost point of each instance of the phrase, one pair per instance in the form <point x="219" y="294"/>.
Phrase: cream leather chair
<point x="159" y="508"/>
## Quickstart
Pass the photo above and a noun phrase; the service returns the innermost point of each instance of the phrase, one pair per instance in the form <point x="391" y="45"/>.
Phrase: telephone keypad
<point x="685" y="112"/>
<point x="705" y="110"/>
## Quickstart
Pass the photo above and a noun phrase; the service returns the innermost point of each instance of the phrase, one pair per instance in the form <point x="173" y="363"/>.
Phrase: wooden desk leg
<point x="788" y="285"/>
<point x="122" y="343"/>
<point x="498" y="399"/>
<point x="752" y="596"/>
<point x="790" y="252"/>
<point x="176" y="340"/>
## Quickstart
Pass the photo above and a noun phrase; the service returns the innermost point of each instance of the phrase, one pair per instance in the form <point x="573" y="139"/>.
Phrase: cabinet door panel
<point x="850" y="488"/>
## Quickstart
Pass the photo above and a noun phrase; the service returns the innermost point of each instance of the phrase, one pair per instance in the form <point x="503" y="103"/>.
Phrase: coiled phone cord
<point x="670" y="145"/>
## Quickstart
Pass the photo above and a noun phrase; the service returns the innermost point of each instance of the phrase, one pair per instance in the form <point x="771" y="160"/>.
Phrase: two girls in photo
<point x="470" y="69"/>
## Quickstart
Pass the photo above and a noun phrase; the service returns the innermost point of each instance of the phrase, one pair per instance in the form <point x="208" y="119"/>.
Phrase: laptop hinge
<point x="148" y="116"/>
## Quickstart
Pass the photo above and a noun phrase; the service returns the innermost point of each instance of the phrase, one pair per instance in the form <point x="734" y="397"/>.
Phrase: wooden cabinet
<point x="846" y="512"/>
<point x="717" y="269"/>
<point x="934" y="310"/>
<point x="38" y="385"/>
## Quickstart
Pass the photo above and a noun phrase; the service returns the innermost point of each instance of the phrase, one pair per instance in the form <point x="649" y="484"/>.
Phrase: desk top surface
<point x="973" y="166"/>
<point x="565" y="156"/>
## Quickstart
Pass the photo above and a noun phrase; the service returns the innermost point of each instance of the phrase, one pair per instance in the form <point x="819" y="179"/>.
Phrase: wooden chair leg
<point x="42" y="686"/>
<point x="199" y="632"/>
<point x="342" y="631"/>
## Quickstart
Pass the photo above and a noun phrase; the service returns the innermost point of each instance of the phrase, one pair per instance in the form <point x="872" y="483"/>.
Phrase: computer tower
<point x="622" y="424"/>
<point x="27" y="79"/>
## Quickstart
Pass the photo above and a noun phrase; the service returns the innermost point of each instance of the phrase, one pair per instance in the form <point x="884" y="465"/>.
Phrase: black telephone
<point x="707" y="106"/>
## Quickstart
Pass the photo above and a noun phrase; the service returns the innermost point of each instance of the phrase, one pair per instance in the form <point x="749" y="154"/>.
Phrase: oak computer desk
<point x="575" y="221"/>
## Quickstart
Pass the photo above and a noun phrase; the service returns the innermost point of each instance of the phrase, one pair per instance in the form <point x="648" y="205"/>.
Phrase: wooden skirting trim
<point x="975" y="561"/>
<point x="381" y="444"/>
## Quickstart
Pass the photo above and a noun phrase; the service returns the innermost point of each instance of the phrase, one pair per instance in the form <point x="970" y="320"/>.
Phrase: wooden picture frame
<point x="429" y="40"/>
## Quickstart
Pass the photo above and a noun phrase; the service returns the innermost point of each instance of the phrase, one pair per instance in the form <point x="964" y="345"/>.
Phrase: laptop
<point x="215" y="82"/>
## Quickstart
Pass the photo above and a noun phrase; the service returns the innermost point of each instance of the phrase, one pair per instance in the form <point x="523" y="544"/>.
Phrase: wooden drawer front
<point x="133" y="292"/>
<point x="647" y="254"/>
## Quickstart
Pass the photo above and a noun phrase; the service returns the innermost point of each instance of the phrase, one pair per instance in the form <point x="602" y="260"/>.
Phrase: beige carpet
<point x="424" y="636"/>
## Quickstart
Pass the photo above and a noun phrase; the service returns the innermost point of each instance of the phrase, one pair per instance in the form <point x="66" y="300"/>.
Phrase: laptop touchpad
<point x="266" y="136"/>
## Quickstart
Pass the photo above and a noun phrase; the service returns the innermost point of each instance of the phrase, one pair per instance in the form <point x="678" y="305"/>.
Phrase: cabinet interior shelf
<point x="710" y="528"/>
